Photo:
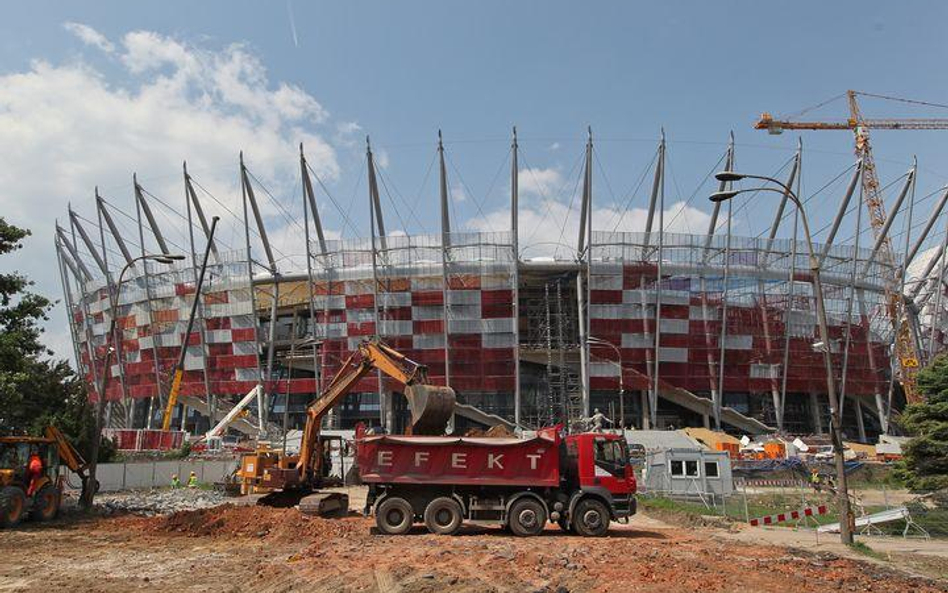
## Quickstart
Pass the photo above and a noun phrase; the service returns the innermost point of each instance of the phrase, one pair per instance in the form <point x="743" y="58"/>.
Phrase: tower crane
<point x="905" y="346"/>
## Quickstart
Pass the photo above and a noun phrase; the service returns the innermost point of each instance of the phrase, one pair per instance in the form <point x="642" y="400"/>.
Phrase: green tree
<point x="35" y="390"/>
<point x="925" y="462"/>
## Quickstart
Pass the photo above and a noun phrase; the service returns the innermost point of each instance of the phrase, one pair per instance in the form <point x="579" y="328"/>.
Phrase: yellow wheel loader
<point x="38" y="497"/>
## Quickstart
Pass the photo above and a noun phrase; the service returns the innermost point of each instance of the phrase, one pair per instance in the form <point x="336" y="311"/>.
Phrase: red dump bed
<point x="463" y="461"/>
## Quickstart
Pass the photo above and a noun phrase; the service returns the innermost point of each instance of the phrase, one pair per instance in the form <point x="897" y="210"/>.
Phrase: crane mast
<point x="905" y="346"/>
<point x="895" y="304"/>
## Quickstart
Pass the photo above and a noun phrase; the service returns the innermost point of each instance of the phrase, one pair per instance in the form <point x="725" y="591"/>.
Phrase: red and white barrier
<point x="773" y="483"/>
<point x="791" y="516"/>
<point x="145" y="439"/>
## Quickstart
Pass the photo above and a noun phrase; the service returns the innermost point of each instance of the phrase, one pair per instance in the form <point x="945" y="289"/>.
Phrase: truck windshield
<point x="610" y="452"/>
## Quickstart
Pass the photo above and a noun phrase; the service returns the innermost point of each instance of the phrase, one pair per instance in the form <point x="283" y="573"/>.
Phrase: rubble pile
<point x="228" y="520"/>
<point x="158" y="501"/>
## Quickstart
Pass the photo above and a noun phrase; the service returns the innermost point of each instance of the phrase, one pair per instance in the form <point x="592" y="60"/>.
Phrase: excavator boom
<point x="431" y="407"/>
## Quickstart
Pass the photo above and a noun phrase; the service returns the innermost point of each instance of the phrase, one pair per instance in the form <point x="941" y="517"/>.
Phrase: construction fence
<point x="879" y="511"/>
<point x="132" y="475"/>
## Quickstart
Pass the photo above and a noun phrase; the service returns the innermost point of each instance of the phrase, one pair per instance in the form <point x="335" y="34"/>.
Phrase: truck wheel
<point x="443" y="516"/>
<point x="590" y="518"/>
<point x="45" y="503"/>
<point x="394" y="516"/>
<point x="12" y="506"/>
<point x="526" y="517"/>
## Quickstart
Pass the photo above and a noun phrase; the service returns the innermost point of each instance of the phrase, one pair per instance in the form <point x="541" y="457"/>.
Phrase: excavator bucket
<point x="431" y="408"/>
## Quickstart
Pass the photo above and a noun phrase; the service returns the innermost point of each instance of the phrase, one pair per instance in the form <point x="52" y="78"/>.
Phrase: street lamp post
<point x="592" y="341"/>
<point x="845" y="513"/>
<point x="89" y="493"/>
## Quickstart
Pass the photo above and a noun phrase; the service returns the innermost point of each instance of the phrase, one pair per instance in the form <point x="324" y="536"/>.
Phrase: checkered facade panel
<point x="151" y="321"/>
<point x="462" y="311"/>
<point x="759" y="321"/>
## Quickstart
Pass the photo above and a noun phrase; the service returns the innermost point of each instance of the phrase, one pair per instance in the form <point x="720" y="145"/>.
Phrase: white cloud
<point x="548" y="219"/>
<point x="555" y="146"/>
<point x="89" y="36"/>
<point x="381" y="157"/>
<point x="74" y="128"/>
<point x="347" y="133"/>
<point x="539" y="182"/>
<point x="549" y="228"/>
<point x="458" y="193"/>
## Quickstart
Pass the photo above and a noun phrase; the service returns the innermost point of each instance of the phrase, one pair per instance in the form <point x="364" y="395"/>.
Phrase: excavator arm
<point x="431" y="406"/>
<point x="69" y="456"/>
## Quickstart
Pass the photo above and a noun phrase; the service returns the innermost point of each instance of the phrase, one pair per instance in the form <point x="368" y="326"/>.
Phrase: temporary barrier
<point x="791" y="516"/>
<point x="145" y="439"/>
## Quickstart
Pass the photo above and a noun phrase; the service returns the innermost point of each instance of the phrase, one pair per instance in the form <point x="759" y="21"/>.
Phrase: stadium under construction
<point x="653" y="328"/>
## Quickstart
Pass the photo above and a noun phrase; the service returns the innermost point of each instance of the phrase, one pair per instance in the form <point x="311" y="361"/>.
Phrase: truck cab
<point x="597" y="465"/>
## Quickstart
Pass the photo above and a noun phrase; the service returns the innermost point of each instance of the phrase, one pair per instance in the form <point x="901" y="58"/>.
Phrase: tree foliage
<point x="925" y="460"/>
<point x="35" y="390"/>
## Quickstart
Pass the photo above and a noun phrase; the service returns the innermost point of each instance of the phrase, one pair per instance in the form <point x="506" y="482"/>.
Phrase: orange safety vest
<point x="35" y="471"/>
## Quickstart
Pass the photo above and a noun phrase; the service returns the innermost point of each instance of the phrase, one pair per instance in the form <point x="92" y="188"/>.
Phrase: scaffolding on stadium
<point x="706" y="328"/>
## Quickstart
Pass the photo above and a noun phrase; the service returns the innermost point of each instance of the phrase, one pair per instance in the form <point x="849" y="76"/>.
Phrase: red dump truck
<point x="580" y="481"/>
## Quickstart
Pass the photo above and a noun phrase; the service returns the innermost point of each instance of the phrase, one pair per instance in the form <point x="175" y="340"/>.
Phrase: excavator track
<point x="325" y="504"/>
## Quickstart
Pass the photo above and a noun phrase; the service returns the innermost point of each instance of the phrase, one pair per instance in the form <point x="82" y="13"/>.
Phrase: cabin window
<point x="711" y="469"/>
<point x="681" y="468"/>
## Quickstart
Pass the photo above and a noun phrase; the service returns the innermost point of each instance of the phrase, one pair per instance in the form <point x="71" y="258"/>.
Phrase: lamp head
<point x="728" y="176"/>
<point x="168" y="259"/>
<point x="722" y="196"/>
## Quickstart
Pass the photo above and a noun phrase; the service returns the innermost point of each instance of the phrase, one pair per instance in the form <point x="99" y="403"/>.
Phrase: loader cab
<point x="16" y="502"/>
<point x="15" y="455"/>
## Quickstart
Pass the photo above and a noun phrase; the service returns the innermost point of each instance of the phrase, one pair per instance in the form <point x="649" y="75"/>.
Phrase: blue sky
<point x="401" y="70"/>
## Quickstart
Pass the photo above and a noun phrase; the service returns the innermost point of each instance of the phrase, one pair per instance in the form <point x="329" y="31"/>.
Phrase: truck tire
<point x="443" y="516"/>
<point x="12" y="506"/>
<point x="45" y="503"/>
<point x="526" y="517"/>
<point x="590" y="518"/>
<point x="394" y="516"/>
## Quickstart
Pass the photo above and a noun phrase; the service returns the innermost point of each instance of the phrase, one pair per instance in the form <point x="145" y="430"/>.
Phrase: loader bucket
<point x="431" y="408"/>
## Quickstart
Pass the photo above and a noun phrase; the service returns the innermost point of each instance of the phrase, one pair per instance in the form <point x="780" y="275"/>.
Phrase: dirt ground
<point x="245" y="548"/>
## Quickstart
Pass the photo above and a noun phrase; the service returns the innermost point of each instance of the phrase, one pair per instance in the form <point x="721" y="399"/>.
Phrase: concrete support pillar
<point x="859" y="421"/>
<point x="815" y="416"/>
<point x="883" y="412"/>
<point x="644" y="409"/>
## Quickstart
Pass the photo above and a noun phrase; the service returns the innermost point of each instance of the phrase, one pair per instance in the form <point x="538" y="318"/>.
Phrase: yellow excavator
<point x="299" y="476"/>
<point x="38" y="497"/>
